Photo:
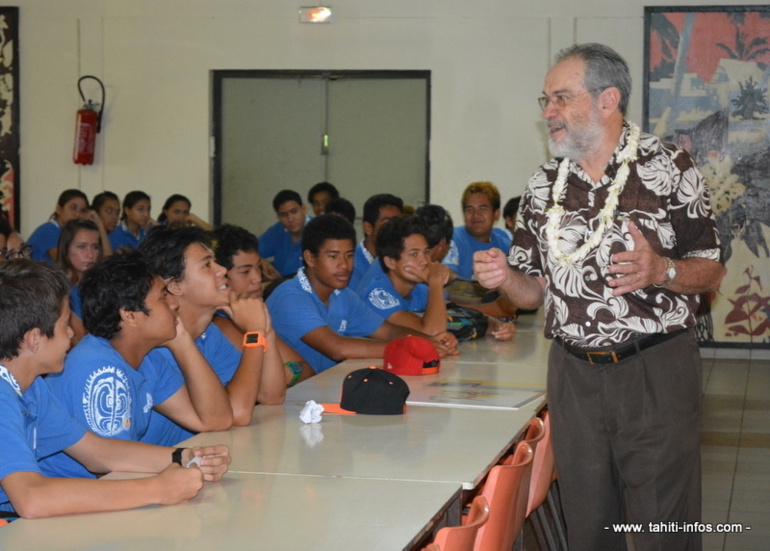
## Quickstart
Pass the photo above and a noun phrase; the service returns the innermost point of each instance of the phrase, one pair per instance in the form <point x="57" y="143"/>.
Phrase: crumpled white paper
<point x="194" y="461"/>
<point x="311" y="413"/>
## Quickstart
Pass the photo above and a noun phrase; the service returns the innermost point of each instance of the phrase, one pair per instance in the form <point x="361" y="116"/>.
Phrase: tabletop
<point x="425" y="443"/>
<point x="250" y="511"/>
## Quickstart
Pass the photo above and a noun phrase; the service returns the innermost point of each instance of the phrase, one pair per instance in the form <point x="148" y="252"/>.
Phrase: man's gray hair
<point x="604" y="69"/>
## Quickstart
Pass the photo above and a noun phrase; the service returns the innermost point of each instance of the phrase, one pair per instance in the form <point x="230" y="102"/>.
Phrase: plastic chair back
<point x="542" y="468"/>
<point x="462" y="538"/>
<point x="507" y="491"/>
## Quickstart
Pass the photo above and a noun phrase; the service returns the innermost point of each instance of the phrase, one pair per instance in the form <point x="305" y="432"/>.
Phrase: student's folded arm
<point x="389" y="331"/>
<point x="103" y="455"/>
<point x="288" y="354"/>
<point x="272" y="388"/>
<point x="34" y="495"/>
<point x="179" y="408"/>
<point x="445" y="342"/>
<point x="339" y="348"/>
<point x="202" y="403"/>
<point x="410" y="320"/>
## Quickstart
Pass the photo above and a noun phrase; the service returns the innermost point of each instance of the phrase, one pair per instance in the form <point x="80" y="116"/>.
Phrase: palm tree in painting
<point x="750" y="100"/>
<point x="744" y="49"/>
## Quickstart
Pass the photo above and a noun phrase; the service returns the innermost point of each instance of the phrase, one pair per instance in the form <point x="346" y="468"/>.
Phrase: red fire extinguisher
<point x="87" y="124"/>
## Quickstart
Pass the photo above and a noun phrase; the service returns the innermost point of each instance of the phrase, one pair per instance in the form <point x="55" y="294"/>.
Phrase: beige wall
<point x="487" y="57"/>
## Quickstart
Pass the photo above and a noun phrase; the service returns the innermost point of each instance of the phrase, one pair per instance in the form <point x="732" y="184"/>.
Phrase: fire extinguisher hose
<point x="92" y="104"/>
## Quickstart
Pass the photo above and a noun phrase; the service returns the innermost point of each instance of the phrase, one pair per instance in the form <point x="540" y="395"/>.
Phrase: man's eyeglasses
<point x="24" y="252"/>
<point x="559" y="101"/>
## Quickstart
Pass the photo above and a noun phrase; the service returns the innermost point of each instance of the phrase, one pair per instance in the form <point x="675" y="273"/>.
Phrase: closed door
<point x="366" y="133"/>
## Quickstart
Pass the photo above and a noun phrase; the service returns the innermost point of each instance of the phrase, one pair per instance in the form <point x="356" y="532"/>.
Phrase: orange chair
<point x="542" y="467"/>
<point x="543" y="475"/>
<point x="507" y="491"/>
<point x="462" y="538"/>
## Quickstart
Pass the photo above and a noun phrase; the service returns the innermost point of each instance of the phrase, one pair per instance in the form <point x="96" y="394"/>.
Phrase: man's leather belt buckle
<point x="602" y="356"/>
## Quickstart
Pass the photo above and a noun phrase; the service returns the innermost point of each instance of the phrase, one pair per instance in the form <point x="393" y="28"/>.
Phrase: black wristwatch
<point x="176" y="456"/>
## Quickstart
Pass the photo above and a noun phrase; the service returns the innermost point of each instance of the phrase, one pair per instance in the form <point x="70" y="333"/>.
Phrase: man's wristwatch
<point x="670" y="274"/>
<point x="254" y="339"/>
<point x="176" y="456"/>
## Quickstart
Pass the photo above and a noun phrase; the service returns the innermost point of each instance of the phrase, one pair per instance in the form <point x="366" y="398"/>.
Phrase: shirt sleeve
<point x="222" y="356"/>
<point x="692" y="220"/>
<point x="267" y="243"/>
<point x="16" y="453"/>
<point x="361" y="321"/>
<point x="163" y="375"/>
<point x="284" y="305"/>
<point x="452" y="258"/>
<point x="43" y="239"/>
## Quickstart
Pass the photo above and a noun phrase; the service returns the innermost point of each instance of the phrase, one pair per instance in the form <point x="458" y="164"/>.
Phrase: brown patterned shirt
<point x="665" y="195"/>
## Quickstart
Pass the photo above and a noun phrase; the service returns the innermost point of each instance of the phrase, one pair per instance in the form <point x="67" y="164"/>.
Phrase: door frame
<point x="218" y="76"/>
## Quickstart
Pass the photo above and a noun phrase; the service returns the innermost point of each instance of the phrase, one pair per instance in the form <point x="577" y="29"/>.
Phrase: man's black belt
<point x="615" y="355"/>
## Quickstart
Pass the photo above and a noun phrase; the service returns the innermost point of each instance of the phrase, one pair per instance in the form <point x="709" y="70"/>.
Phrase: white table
<point x="426" y="444"/>
<point x="369" y="482"/>
<point x="249" y="511"/>
<point x="486" y="374"/>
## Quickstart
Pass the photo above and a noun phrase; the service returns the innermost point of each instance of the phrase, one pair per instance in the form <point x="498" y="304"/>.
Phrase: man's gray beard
<point x="578" y="144"/>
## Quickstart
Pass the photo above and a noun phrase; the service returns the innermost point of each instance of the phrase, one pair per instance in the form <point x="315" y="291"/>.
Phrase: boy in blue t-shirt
<point x="319" y="316"/>
<point x="281" y="241"/>
<point x="481" y="211"/>
<point x="34" y="338"/>
<point x="183" y="258"/>
<point x="404" y="280"/>
<point x="113" y="378"/>
<point x="378" y="209"/>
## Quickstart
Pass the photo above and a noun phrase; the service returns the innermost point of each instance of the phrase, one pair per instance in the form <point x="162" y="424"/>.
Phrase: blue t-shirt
<point x="76" y="305"/>
<point x="295" y="310"/>
<point x="276" y="243"/>
<point x="121" y="236"/>
<point x="34" y="425"/>
<point x="362" y="261"/>
<point x="460" y="255"/>
<point x="114" y="400"/>
<point x="43" y="239"/>
<point x="223" y="358"/>
<point x="379" y="294"/>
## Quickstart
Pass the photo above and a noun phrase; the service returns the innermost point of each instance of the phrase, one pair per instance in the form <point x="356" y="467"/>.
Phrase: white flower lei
<point x="605" y="216"/>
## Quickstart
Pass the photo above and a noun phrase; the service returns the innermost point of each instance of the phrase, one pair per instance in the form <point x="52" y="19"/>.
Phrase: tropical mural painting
<point x="9" y="114"/>
<point x="707" y="71"/>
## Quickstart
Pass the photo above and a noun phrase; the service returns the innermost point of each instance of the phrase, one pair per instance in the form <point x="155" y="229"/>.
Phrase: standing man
<point x="282" y="240"/>
<point x="481" y="210"/>
<point x="616" y="237"/>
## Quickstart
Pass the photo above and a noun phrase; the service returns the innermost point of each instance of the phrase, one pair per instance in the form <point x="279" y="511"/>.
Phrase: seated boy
<point x="237" y="250"/>
<point x="183" y="258"/>
<point x="34" y="338"/>
<point x="439" y="236"/>
<point x="378" y="209"/>
<point x="481" y="210"/>
<point x="319" y="316"/>
<point x="281" y="241"/>
<point x="113" y="378"/>
<point x="405" y="280"/>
